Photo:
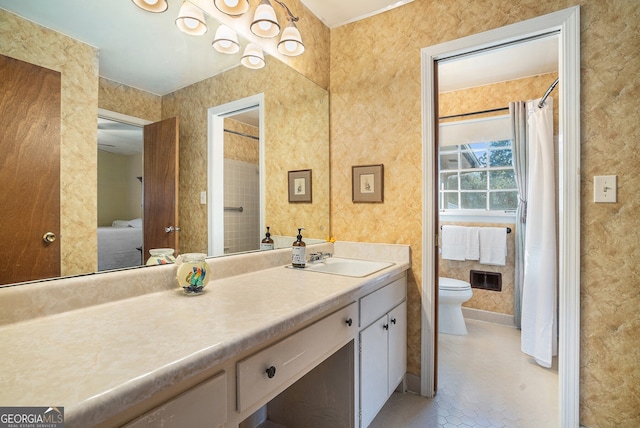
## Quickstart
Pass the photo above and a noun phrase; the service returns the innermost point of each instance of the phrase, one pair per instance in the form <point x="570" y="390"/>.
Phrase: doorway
<point x="566" y="22"/>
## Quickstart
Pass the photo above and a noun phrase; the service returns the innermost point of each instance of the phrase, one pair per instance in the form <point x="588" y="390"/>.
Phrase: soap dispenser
<point x="298" y="251"/>
<point x="267" y="242"/>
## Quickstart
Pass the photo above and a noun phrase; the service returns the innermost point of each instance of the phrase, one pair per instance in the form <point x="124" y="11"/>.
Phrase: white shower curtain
<point x="539" y="290"/>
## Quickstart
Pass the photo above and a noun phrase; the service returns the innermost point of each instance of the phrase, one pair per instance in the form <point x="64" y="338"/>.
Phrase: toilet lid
<point x="453" y="284"/>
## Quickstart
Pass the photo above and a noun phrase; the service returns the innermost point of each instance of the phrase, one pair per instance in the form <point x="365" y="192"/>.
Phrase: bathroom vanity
<point x="297" y="347"/>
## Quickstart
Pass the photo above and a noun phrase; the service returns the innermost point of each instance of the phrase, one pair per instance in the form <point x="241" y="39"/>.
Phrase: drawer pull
<point x="349" y="322"/>
<point x="271" y="372"/>
<point x="393" y="320"/>
<point x="386" y="326"/>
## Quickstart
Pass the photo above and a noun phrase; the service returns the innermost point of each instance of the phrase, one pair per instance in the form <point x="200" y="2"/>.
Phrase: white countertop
<point x="98" y="360"/>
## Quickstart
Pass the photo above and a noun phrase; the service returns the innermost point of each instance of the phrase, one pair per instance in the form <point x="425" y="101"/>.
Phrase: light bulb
<point x="191" y="23"/>
<point x="231" y="3"/>
<point x="290" y="46"/>
<point x="264" y="25"/>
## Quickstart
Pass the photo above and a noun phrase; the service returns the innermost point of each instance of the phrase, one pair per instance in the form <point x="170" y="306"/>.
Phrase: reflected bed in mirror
<point x="296" y="137"/>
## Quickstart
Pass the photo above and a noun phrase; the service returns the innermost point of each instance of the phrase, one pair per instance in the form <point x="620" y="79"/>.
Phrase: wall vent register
<point x="486" y="280"/>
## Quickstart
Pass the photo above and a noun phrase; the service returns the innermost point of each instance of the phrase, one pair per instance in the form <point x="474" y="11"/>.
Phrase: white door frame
<point x="567" y="22"/>
<point x="215" y="167"/>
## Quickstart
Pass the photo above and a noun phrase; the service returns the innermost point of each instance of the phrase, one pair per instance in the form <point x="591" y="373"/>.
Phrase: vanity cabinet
<point x="383" y="347"/>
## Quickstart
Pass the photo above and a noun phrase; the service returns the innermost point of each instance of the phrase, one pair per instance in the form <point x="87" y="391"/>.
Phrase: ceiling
<point x="334" y="13"/>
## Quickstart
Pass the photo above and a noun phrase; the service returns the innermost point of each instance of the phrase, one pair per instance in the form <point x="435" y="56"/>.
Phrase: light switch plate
<point x="605" y="188"/>
<point x="203" y="198"/>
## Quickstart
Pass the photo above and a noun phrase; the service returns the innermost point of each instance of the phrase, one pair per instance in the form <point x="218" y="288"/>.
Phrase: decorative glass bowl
<point x="192" y="273"/>
<point x="160" y="256"/>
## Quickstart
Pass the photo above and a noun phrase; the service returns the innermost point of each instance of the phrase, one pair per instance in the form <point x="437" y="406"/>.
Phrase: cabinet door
<point x="373" y="369"/>
<point x="397" y="345"/>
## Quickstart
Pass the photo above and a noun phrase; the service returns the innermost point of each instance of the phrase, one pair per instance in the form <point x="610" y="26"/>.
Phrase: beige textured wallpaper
<point x="376" y="118"/>
<point x="78" y="65"/>
<point x="124" y="99"/>
<point x="314" y="62"/>
<point x="296" y="137"/>
<point x="239" y="147"/>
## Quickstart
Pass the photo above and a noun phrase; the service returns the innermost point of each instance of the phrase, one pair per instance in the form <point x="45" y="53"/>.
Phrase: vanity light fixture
<point x="265" y="24"/>
<point x="291" y="41"/>
<point x="226" y="40"/>
<point x="156" y="6"/>
<point x="253" y="57"/>
<point x="232" y="7"/>
<point x="191" y="20"/>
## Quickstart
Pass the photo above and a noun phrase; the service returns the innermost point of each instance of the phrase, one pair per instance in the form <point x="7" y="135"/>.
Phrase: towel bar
<point x="508" y="229"/>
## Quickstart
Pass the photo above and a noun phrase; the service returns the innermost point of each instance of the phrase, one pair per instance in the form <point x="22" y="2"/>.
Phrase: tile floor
<point x="484" y="381"/>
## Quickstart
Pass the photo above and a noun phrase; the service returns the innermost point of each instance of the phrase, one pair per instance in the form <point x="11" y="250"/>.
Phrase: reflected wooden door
<point x="160" y="186"/>
<point x="29" y="171"/>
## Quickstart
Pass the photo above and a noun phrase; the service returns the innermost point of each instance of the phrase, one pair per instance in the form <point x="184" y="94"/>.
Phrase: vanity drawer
<point x="378" y="303"/>
<point x="204" y="405"/>
<point x="293" y="357"/>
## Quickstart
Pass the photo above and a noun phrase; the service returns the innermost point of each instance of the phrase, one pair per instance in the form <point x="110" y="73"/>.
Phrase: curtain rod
<point x="474" y="113"/>
<point x="241" y="134"/>
<point x="546" y="94"/>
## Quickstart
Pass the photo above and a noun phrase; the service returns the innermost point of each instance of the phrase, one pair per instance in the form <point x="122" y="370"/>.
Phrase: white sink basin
<point x="348" y="267"/>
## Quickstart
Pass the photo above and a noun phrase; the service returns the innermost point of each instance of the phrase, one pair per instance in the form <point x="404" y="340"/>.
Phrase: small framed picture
<point x="368" y="183"/>
<point x="300" y="186"/>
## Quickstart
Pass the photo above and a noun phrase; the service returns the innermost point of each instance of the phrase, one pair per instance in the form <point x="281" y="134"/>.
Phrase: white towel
<point x="472" y="248"/>
<point x="493" y="245"/>
<point x="454" y="241"/>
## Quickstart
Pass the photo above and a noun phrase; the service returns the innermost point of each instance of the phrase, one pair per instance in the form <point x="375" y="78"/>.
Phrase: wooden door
<point x="160" y="186"/>
<point x="29" y="171"/>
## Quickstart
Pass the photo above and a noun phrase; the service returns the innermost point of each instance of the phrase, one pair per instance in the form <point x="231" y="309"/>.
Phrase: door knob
<point x="171" y="229"/>
<point x="49" y="237"/>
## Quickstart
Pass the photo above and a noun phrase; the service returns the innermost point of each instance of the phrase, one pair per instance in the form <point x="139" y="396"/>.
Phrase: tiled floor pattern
<point x="484" y="381"/>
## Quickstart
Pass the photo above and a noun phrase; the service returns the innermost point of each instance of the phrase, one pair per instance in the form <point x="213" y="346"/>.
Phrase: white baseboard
<point x="487" y="316"/>
<point x="413" y="383"/>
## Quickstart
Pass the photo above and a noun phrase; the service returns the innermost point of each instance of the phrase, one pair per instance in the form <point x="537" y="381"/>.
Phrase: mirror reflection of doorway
<point x="137" y="189"/>
<point x="242" y="181"/>
<point x="120" y="164"/>
<point x="236" y="195"/>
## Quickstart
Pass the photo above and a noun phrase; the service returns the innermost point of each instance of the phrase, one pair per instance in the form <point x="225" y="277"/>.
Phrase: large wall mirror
<point x="294" y="131"/>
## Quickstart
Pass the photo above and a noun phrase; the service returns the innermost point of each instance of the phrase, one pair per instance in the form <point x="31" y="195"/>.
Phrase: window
<point x="478" y="176"/>
<point x="476" y="171"/>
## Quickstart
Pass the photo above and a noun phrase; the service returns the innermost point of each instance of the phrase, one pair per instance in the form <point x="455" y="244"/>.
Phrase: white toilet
<point x="452" y="294"/>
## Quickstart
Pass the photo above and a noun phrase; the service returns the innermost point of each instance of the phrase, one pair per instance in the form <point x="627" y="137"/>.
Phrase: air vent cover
<point x="486" y="280"/>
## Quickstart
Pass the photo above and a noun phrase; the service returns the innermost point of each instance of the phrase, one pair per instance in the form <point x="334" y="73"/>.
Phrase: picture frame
<point x="367" y="183"/>
<point x="300" y="189"/>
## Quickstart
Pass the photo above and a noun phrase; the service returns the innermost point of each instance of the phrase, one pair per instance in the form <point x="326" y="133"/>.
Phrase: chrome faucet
<point x="319" y="257"/>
